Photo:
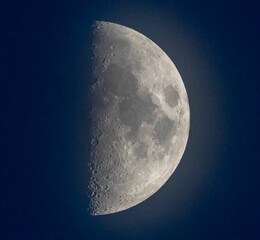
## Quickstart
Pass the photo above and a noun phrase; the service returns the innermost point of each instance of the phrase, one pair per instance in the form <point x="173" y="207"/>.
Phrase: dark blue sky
<point x="45" y="76"/>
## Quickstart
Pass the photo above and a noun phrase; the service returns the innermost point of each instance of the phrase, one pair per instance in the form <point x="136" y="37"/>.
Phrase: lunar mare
<point x="139" y="119"/>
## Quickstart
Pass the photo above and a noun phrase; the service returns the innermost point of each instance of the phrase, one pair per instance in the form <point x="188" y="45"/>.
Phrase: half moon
<point x="140" y="119"/>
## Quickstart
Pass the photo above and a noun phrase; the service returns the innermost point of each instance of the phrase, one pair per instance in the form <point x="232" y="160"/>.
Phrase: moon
<point x="139" y="115"/>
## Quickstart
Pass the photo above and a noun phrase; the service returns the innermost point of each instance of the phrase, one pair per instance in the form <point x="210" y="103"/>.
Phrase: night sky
<point x="45" y="76"/>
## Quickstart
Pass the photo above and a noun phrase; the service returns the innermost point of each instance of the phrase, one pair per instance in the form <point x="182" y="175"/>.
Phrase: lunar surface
<point x="139" y="119"/>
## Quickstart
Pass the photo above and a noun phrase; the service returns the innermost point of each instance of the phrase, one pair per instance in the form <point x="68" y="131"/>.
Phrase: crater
<point x="164" y="130"/>
<point x="171" y="96"/>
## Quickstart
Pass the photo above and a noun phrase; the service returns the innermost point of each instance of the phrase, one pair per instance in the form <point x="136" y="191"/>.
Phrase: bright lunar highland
<point x="140" y="119"/>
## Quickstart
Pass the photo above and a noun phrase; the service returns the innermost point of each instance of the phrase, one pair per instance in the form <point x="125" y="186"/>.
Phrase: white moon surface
<point x="140" y="119"/>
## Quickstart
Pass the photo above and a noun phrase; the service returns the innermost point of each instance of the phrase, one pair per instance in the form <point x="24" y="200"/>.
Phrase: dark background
<point x="45" y="75"/>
